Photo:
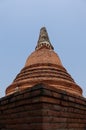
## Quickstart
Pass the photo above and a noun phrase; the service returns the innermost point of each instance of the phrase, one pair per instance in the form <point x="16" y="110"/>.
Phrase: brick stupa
<point x="44" y="66"/>
<point x="43" y="95"/>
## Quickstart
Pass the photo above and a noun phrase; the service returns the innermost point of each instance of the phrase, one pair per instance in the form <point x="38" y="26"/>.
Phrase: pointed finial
<point x="44" y="39"/>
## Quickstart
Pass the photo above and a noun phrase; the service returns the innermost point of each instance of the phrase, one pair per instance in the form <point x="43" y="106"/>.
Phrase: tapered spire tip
<point x="44" y="39"/>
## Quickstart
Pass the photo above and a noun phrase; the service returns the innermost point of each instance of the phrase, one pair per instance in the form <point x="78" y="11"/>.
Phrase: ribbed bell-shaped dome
<point x="44" y="66"/>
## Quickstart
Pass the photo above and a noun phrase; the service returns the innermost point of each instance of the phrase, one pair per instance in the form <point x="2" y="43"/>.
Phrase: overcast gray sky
<point x="20" y="22"/>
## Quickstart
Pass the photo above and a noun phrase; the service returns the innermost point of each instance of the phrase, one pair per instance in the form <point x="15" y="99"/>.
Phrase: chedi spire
<point x="44" y="39"/>
<point x="44" y="66"/>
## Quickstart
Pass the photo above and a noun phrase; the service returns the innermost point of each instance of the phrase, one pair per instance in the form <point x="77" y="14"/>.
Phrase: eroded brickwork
<point x="42" y="108"/>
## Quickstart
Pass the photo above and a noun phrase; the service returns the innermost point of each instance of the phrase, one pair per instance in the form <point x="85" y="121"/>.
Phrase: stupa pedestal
<point x="42" y="108"/>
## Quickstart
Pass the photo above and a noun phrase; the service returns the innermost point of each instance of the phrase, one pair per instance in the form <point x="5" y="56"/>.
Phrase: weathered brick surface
<point x="42" y="108"/>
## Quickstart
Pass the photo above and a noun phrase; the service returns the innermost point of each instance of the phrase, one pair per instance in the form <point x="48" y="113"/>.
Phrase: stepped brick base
<point x="42" y="108"/>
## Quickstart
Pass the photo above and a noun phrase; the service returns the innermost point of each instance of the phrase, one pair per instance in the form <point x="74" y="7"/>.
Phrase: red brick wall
<point x="42" y="108"/>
